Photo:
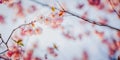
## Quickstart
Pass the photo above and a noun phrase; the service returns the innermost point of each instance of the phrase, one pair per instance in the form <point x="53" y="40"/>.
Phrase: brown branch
<point x="113" y="8"/>
<point x="85" y="19"/>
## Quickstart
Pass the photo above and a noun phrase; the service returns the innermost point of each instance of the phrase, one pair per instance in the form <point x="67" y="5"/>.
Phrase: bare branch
<point x="1" y="38"/>
<point x="60" y="5"/>
<point x="85" y="19"/>
<point x="113" y="8"/>
<point x="3" y="43"/>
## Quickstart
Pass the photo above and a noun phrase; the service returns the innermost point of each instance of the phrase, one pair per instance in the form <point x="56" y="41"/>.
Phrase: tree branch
<point x="113" y="8"/>
<point x="1" y="38"/>
<point x="5" y="58"/>
<point x="11" y="35"/>
<point x="85" y="19"/>
<point x="4" y="43"/>
<point x="4" y="51"/>
<point x="15" y="30"/>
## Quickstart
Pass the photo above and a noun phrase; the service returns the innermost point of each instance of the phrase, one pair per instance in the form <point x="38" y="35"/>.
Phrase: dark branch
<point x="85" y="19"/>
<point x="3" y="43"/>
<point x="113" y="8"/>
<point x="4" y="51"/>
<point x="1" y="38"/>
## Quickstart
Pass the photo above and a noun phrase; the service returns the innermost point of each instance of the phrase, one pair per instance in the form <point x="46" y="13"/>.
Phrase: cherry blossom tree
<point x="59" y="30"/>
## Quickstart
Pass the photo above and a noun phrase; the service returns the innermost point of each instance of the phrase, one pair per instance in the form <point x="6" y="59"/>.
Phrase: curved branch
<point x="14" y="31"/>
<point x="85" y="19"/>
<point x="18" y="28"/>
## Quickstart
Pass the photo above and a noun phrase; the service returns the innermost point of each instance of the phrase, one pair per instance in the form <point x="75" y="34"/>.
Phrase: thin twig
<point x="113" y="8"/>
<point x="85" y="19"/>
<point x="11" y="35"/>
<point x="5" y="58"/>
<point x="1" y="38"/>
<point x="18" y="28"/>
<point x="3" y="43"/>
<point x="4" y="51"/>
<point x="60" y="5"/>
<point x="14" y="31"/>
